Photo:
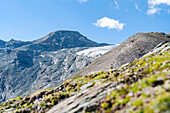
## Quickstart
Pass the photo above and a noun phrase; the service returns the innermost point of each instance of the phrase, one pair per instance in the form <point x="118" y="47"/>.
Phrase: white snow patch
<point x="55" y="61"/>
<point x="42" y="55"/>
<point x="40" y="64"/>
<point x="96" y="51"/>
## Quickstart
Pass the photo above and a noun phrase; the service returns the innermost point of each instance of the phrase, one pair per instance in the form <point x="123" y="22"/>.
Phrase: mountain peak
<point x="12" y="40"/>
<point x="62" y="39"/>
<point x="65" y="33"/>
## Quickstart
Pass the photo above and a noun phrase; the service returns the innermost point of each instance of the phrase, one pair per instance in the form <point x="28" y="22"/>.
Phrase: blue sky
<point x="109" y="21"/>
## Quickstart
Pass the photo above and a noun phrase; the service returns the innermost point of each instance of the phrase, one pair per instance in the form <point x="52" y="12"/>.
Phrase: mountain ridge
<point x="55" y="40"/>
<point x="134" y="47"/>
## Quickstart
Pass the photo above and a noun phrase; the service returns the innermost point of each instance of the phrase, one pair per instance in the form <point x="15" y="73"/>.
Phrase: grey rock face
<point x="134" y="47"/>
<point x="26" y="67"/>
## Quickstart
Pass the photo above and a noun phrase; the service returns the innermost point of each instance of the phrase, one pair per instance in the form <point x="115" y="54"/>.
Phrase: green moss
<point x="148" y="110"/>
<point x="19" y="98"/>
<point x="54" y="101"/>
<point x="126" y="100"/>
<point x="21" y="103"/>
<point x="3" y="105"/>
<point x="132" y="64"/>
<point x="66" y="83"/>
<point x="123" y="91"/>
<point x="135" y="88"/>
<point x="43" y="104"/>
<point x="138" y="102"/>
<point x="101" y="72"/>
<point x="123" y="101"/>
<point x="49" y="88"/>
<point x="10" y="102"/>
<point x="150" y="80"/>
<point x="17" y="107"/>
<point x="64" y="94"/>
<point x="68" y="88"/>
<point x="47" y="98"/>
<point x="105" y="105"/>
<point x="165" y="66"/>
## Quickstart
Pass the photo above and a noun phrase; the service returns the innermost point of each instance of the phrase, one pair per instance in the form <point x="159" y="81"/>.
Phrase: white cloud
<point x="109" y="23"/>
<point x="158" y="2"/>
<point x="152" y="6"/>
<point x="137" y="7"/>
<point x="153" y="10"/>
<point x="81" y="1"/>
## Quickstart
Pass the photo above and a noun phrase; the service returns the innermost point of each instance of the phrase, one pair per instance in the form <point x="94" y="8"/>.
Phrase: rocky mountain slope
<point x="134" y="47"/>
<point x="28" y="66"/>
<point x="141" y="86"/>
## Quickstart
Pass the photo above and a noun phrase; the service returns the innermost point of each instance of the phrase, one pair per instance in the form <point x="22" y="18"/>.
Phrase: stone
<point x="139" y="93"/>
<point x="85" y="86"/>
<point x="148" y="91"/>
<point x="8" y="110"/>
<point x="166" y="86"/>
<point x="119" y="87"/>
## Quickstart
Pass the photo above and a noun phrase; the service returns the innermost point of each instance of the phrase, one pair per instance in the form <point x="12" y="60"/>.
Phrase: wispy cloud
<point x="153" y="6"/>
<point x="116" y="4"/>
<point x="109" y="23"/>
<point x="168" y="11"/>
<point x="81" y="1"/>
<point x="137" y="7"/>
<point x="153" y="10"/>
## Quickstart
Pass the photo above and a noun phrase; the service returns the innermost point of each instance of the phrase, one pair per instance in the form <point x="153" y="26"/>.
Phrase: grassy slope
<point x="144" y="87"/>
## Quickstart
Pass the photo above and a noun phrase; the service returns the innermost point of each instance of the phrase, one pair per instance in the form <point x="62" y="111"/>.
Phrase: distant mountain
<point x="61" y="39"/>
<point x="32" y="65"/>
<point x="2" y="44"/>
<point x="134" y="47"/>
<point x="12" y="44"/>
